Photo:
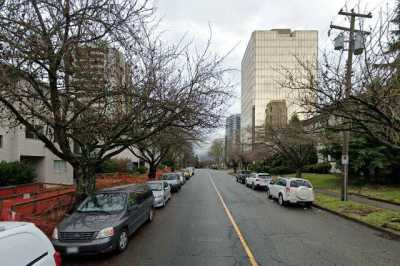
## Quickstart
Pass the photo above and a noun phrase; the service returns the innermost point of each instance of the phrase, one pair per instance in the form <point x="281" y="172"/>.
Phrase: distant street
<point x="194" y="229"/>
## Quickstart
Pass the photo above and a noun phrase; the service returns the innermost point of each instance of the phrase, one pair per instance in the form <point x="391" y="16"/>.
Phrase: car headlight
<point x="106" y="232"/>
<point x="55" y="233"/>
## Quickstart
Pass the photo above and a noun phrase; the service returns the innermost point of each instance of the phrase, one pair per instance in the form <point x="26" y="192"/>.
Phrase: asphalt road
<point x="194" y="229"/>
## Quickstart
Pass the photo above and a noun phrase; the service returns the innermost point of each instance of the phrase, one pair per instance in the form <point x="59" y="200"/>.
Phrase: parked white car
<point x="22" y="243"/>
<point x="258" y="180"/>
<point x="187" y="173"/>
<point x="161" y="192"/>
<point x="182" y="178"/>
<point x="191" y="169"/>
<point x="291" y="190"/>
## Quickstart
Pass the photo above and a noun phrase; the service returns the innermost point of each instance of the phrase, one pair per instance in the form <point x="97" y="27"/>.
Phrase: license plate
<point x="71" y="250"/>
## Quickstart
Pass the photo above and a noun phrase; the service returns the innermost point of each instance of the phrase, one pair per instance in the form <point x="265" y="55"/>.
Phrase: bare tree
<point x="292" y="142"/>
<point x="234" y="156"/>
<point x="156" y="148"/>
<point x="216" y="151"/>
<point x="81" y="117"/>
<point x="373" y="107"/>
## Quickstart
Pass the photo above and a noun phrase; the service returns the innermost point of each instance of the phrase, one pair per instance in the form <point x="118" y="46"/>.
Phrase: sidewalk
<point x="363" y="200"/>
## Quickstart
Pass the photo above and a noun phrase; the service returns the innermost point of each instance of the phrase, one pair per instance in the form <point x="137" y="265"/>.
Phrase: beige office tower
<point x="276" y="114"/>
<point x="270" y="54"/>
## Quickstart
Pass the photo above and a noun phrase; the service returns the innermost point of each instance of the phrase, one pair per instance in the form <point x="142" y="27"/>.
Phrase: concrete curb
<point x="391" y="234"/>
<point x="375" y="199"/>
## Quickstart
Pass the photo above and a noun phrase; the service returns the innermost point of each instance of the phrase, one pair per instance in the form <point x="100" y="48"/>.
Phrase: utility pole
<point x="349" y="70"/>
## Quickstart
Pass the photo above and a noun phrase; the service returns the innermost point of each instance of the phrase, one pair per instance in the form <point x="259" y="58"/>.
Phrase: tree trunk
<point x="298" y="173"/>
<point x="86" y="181"/>
<point x="152" y="171"/>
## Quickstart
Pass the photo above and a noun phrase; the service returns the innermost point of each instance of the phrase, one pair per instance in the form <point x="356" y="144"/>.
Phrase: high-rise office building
<point x="232" y="136"/>
<point x="276" y="114"/>
<point x="269" y="54"/>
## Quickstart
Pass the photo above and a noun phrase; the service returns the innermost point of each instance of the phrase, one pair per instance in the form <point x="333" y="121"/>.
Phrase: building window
<point x="1" y="141"/>
<point x="29" y="134"/>
<point x="60" y="166"/>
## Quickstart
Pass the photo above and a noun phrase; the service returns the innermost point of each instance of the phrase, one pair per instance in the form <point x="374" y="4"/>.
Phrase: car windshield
<point x="169" y="177"/>
<point x="264" y="176"/>
<point x="103" y="202"/>
<point x="300" y="183"/>
<point x="155" y="186"/>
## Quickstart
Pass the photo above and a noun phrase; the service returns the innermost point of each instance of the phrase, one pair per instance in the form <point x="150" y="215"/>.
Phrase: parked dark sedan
<point x="103" y="222"/>
<point x="241" y="176"/>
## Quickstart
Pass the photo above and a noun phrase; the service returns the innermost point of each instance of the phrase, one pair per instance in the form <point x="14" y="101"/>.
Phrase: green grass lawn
<point x="381" y="192"/>
<point x="376" y="216"/>
<point x="333" y="182"/>
<point x="323" y="181"/>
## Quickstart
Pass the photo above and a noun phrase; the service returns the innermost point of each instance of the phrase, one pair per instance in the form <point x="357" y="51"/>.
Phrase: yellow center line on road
<point x="250" y="255"/>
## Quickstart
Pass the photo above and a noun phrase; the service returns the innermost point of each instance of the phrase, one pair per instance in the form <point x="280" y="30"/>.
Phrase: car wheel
<point x="122" y="241"/>
<point x="280" y="200"/>
<point x="269" y="194"/>
<point x="253" y="186"/>
<point x="150" y="217"/>
<point x="308" y="205"/>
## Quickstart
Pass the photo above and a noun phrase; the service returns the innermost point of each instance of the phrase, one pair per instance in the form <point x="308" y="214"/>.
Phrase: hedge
<point x="319" y="168"/>
<point x="15" y="173"/>
<point x="280" y="170"/>
<point x="141" y="170"/>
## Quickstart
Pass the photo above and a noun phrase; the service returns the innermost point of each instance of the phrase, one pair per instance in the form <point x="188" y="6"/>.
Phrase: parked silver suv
<point x="173" y="179"/>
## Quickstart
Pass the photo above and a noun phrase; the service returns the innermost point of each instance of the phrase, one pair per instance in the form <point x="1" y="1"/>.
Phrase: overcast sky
<point x="233" y="21"/>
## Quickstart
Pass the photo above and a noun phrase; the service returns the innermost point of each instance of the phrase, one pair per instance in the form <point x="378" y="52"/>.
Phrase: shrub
<point x="15" y="173"/>
<point x="141" y="170"/>
<point x="109" y="166"/>
<point x="280" y="170"/>
<point x="122" y="164"/>
<point x="114" y="165"/>
<point x="319" y="168"/>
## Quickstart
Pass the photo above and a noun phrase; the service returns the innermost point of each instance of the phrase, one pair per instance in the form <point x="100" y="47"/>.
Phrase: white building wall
<point x="126" y="154"/>
<point x="16" y="147"/>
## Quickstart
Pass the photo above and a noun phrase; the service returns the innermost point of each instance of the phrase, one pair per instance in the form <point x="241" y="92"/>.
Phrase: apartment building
<point x="99" y="69"/>
<point x="269" y="54"/>
<point x="104" y="68"/>
<point x="232" y="136"/>
<point x="20" y="144"/>
<point x="95" y="68"/>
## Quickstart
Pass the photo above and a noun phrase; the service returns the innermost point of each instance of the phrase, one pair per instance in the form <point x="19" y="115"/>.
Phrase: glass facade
<point x="269" y="54"/>
<point x="232" y="136"/>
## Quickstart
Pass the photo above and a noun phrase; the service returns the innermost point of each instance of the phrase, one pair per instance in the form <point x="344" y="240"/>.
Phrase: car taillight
<point x="57" y="258"/>
<point x="288" y="189"/>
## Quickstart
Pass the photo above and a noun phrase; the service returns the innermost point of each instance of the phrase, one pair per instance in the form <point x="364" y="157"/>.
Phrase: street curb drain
<point x="391" y="234"/>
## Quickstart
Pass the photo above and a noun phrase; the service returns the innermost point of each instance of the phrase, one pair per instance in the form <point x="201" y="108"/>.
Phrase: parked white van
<point x="22" y="243"/>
